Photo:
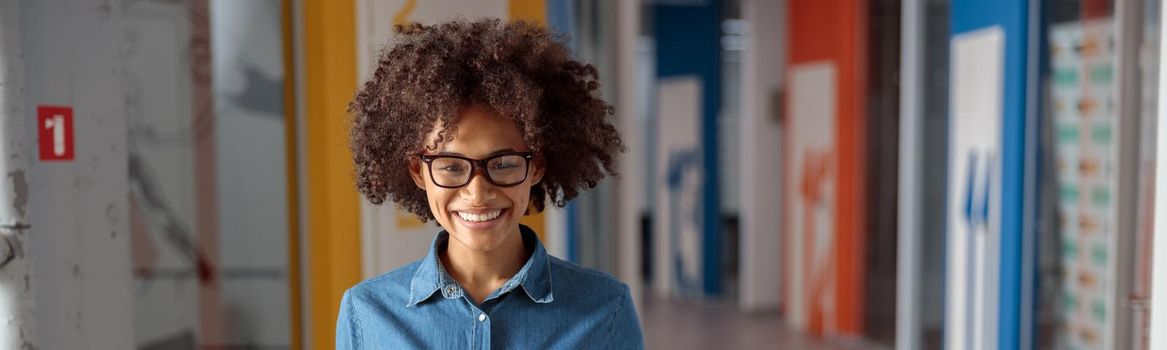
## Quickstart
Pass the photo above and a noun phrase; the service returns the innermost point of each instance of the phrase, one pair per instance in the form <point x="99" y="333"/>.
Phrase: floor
<point x="670" y="324"/>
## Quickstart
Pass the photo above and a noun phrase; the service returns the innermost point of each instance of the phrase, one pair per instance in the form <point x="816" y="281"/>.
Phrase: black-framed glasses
<point x="503" y="170"/>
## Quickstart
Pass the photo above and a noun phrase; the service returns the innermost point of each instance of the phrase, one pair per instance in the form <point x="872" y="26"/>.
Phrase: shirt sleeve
<point x="345" y="325"/>
<point x="625" y="332"/>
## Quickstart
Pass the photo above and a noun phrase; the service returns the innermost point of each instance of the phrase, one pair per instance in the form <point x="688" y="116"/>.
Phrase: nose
<point x="479" y="189"/>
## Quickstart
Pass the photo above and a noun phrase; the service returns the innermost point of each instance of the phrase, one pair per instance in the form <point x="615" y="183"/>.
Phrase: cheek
<point x="438" y="199"/>
<point x="521" y="198"/>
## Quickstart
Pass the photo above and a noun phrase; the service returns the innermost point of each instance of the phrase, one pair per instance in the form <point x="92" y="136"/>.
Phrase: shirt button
<point x="481" y="317"/>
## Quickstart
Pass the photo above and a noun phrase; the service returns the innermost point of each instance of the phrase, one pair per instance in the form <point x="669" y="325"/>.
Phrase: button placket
<point x="483" y="327"/>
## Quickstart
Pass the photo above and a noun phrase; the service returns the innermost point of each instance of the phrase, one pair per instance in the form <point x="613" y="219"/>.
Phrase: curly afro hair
<point x="520" y="70"/>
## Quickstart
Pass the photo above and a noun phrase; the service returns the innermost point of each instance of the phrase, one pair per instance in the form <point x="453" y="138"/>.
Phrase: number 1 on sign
<point x="56" y="132"/>
<point x="57" y="125"/>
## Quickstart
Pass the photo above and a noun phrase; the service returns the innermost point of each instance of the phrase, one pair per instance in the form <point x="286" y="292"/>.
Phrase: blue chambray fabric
<point x="548" y="304"/>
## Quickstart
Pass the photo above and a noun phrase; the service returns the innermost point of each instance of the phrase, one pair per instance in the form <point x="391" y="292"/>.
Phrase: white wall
<point x="219" y="186"/>
<point x="156" y="78"/>
<point x="251" y="165"/>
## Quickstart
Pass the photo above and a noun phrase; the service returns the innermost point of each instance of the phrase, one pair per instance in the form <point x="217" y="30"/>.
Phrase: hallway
<point x="670" y="324"/>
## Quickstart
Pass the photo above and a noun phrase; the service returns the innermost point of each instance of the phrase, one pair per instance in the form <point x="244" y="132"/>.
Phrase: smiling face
<point x="479" y="216"/>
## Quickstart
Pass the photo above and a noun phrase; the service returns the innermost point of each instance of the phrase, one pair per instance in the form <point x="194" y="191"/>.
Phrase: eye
<point x="452" y="168"/>
<point x="508" y="162"/>
<point x="504" y="165"/>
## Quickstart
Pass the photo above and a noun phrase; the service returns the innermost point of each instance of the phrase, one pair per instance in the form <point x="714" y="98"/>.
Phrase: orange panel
<point x="835" y="31"/>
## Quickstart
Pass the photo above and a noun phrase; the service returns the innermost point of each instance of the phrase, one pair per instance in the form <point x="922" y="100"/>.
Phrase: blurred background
<point x="810" y="174"/>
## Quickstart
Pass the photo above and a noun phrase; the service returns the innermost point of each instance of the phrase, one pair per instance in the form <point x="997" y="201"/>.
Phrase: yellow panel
<point x="330" y="77"/>
<point x="535" y="222"/>
<point x="293" y="204"/>
<point x="529" y="10"/>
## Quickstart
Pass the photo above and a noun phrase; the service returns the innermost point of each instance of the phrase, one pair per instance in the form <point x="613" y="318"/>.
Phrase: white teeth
<point x="479" y="217"/>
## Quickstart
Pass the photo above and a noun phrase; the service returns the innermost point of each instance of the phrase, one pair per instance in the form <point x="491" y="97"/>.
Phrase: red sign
<point x="56" y="132"/>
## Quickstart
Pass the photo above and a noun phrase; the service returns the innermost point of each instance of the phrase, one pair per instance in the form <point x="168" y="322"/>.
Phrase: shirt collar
<point x="431" y="276"/>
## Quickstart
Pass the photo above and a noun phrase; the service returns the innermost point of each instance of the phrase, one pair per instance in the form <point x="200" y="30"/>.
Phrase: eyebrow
<point x="492" y="154"/>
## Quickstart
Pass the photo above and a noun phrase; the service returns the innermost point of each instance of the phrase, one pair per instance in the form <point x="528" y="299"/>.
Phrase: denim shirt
<point x="548" y="304"/>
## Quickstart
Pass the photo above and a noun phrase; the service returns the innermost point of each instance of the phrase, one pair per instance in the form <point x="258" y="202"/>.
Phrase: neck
<point x="482" y="272"/>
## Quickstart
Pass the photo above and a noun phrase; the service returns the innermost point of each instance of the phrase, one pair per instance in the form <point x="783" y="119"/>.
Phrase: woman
<point x="473" y="125"/>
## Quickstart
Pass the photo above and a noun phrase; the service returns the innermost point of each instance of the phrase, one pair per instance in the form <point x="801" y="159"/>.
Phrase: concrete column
<point x="78" y="211"/>
<point x="631" y="201"/>
<point x="910" y="259"/>
<point x="763" y="64"/>
<point x="17" y="301"/>
<point x="1158" y="308"/>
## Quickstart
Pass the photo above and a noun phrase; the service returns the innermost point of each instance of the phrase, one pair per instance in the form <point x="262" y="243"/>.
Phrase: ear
<point x="539" y="166"/>
<point x="415" y="173"/>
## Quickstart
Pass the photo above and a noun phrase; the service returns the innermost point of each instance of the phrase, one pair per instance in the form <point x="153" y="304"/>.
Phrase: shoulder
<point x="570" y="278"/>
<point x="368" y="307"/>
<point x="604" y="296"/>
<point x="389" y="287"/>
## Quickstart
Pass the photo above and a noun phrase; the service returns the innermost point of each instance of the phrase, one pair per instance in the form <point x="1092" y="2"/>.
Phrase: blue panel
<point x="560" y="17"/>
<point x="688" y="42"/>
<point x="1043" y="66"/>
<point x="1013" y="17"/>
<point x="572" y="236"/>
